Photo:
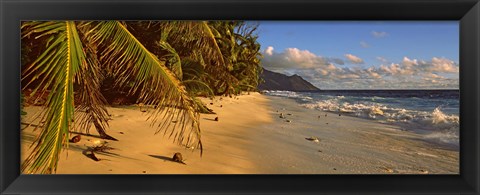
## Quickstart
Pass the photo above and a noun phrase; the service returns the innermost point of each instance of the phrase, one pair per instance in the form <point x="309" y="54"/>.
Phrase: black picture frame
<point x="467" y="12"/>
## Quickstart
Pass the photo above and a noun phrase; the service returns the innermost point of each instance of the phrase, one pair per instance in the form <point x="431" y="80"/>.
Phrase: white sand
<point x="251" y="138"/>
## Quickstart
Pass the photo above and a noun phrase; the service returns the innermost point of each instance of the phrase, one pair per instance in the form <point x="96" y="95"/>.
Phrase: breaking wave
<point x="431" y="121"/>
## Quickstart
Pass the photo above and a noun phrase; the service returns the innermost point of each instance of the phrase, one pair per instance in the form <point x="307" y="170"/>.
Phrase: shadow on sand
<point x="166" y="159"/>
<point x="162" y="157"/>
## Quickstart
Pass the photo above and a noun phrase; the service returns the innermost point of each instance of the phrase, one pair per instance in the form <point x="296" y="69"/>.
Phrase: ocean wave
<point x="438" y="125"/>
<point x="289" y="94"/>
<point x="434" y="124"/>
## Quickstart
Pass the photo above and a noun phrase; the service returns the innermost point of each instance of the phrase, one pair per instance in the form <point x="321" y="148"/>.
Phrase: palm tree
<point x="74" y="56"/>
<point x="164" y="64"/>
<point x="246" y="63"/>
<point x="241" y="50"/>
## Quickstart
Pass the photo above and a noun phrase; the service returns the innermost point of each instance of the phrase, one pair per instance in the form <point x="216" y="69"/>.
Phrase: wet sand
<point x="251" y="138"/>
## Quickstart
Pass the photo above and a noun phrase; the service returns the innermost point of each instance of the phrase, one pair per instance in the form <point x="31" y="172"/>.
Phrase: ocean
<point x="434" y="114"/>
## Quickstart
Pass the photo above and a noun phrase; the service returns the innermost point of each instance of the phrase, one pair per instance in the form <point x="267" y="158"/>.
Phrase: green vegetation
<point x="82" y="66"/>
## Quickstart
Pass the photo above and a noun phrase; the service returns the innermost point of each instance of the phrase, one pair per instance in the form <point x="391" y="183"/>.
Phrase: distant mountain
<point x="277" y="81"/>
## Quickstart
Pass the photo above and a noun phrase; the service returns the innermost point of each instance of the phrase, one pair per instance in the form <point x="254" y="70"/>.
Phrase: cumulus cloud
<point x="379" y="34"/>
<point x="413" y="67"/>
<point x="395" y="69"/>
<point x="364" y="44"/>
<point x="326" y="72"/>
<point x="408" y="62"/>
<point x="430" y="75"/>
<point x="294" y="58"/>
<point x="443" y="65"/>
<point x="269" y="50"/>
<point x="353" y="59"/>
<point x="290" y="58"/>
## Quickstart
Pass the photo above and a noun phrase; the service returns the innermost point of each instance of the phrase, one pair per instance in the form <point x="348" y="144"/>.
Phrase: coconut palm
<point x="246" y="67"/>
<point x="239" y="45"/>
<point x="71" y="62"/>
<point x="164" y="64"/>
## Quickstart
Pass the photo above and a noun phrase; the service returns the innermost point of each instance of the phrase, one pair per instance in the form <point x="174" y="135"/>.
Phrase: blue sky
<point x="383" y="54"/>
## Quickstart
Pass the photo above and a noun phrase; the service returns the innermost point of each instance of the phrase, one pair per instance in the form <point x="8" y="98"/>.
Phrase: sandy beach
<point x="250" y="138"/>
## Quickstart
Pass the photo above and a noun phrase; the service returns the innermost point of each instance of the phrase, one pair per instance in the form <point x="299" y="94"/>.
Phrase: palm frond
<point x="173" y="58"/>
<point x="196" y="86"/>
<point x="199" y="38"/>
<point x="201" y="107"/>
<point x="57" y="67"/>
<point x="155" y="83"/>
<point x="91" y="107"/>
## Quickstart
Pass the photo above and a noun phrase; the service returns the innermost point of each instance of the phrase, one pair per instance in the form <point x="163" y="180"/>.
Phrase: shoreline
<point x="351" y="145"/>
<point x="251" y="138"/>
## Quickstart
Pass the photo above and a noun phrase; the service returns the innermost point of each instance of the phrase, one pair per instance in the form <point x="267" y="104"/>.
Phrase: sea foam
<point x="433" y="124"/>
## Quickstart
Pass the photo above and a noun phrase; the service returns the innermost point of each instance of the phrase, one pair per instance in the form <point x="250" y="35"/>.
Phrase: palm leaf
<point x="195" y="86"/>
<point x="57" y="67"/>
<point x="91" y="107"/>
<point x="155" y="83"/>
<point x="199" y="38"/>
<point x="173" y="57"/>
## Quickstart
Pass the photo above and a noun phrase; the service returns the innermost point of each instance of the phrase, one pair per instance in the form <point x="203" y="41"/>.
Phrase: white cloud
<point x="269" y="50"/>
<point x="408" y="62"/>
<point x="294" y="58"/>
<point x="326" y="73"/>
<point x="382" y="59"/>
<point x="396" y="69"/>
<point x="432" y="76"/>
<point x="417" y="67"/>
<point x="301" y="57"/>
<point x="443" y="65"/>
<point x="379" y="34"/>
<point x="364" y="44"/>
<point x="354" y="59"/>
<point x="372" y="73"/>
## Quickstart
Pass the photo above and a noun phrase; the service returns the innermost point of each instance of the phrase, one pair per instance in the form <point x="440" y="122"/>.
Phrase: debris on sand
<point x="75" y="139"/>
<point x="102" y="147"/>
<point x="177" y="157"/>
<point x="388" y="170"/>
<point x="90" y="154"/>
<point x="313" y="139"/>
